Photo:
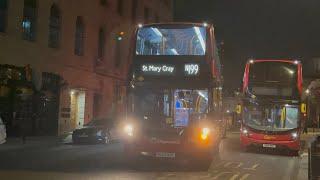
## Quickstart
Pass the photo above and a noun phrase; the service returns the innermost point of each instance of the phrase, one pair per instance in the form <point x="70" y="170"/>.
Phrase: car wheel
<point x="107" y="139"/>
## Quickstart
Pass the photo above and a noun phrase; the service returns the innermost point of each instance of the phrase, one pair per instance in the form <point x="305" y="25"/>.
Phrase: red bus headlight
<point x="205" y="133"/>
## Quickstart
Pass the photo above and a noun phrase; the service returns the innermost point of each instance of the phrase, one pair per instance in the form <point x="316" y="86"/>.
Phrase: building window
<point x="54" y="27"/>
<point x="156" y="18"/>
<point x="79" y="37"/>
<point x="3" y="15"/>
<point x="29" y="20"/>
<point x="120" y="7"/>
<point x="117" y="61"/>
<point x="134" y="10"/>
<point x="146" y="15"/>
<point x="101" y="44"/>
<point x="103" y="2"/>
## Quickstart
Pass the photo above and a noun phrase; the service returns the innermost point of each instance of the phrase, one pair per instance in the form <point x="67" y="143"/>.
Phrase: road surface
<point x="67" y="161"/>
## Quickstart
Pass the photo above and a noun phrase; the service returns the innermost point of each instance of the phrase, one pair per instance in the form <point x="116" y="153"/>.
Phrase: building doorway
<point x="77" y="108"/>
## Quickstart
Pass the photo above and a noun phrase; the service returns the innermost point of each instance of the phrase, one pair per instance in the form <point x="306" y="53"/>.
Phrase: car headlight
<point x="205" y="133"/>
<point x="294" y="135"/>
<point x="99" y="133"/>
<point x="128" y="129"/>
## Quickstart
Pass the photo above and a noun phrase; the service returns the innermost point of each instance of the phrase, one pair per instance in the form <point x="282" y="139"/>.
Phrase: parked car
<point x="3" y="134"/>
<point x="96" y="131"/>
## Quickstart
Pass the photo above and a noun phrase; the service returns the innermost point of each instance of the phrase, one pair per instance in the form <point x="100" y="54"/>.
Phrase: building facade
<point x="81" y="45"/>
<point x="312" y="92"/>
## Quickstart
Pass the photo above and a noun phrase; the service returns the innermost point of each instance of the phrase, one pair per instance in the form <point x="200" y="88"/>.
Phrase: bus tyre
<point x="201" y="164"/>
<point x="294" y="152"/>
<point x="131" y="160"/>
<point x="244" y="149"/>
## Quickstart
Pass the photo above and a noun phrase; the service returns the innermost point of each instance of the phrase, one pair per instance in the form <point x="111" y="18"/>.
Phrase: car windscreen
<point x="99" y="122"/>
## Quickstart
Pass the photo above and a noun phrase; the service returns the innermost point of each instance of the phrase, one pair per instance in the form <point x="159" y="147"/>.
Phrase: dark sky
<point x="257" y="29"/>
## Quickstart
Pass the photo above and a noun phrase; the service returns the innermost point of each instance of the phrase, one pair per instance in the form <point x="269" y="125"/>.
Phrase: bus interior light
<point x="205" y="24"/>
<point x="296" y="62"/>
<point x="140" y="25"/>
<point x="251" y="61"/>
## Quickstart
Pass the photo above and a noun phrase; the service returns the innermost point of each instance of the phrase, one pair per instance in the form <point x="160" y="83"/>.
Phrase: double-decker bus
<point x="174" y="93"/>
<point x="271" y="113"/>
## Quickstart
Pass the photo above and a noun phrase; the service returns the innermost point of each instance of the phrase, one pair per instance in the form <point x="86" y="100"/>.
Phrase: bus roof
<point x="274" y="60"/>
<point x="177" y="23"/>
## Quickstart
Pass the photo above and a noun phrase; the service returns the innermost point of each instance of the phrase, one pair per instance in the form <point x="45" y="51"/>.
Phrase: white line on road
<point x="221" y="174"/>
<point x="253" y="168"/>
<point x="234" y="177"/>
<point x="245" y="176"/>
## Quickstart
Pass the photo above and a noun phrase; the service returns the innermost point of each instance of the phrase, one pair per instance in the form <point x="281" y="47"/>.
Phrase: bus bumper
<point x="183" y="152"/>
<point x="251" y="142"/>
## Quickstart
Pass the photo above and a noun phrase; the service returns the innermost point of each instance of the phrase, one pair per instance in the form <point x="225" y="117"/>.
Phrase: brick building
<point x="83" y="42"/>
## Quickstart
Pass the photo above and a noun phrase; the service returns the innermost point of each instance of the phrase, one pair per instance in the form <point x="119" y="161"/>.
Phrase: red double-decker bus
<point x="271" y="113"/>
<point x="174" y="94"/>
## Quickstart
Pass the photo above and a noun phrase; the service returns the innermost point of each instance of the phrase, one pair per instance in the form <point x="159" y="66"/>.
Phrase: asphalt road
<point x="67" y="161"/>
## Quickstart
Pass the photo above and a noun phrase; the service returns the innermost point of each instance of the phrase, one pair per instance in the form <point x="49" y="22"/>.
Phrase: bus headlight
<point x="205" y="133"/>
<point x="128" y="129"/>
<point x="294" y="135"/>
<point x="245" y="132"/>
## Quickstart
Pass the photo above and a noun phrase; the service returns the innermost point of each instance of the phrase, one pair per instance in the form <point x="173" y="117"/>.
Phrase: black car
<point x="96" y="131"/>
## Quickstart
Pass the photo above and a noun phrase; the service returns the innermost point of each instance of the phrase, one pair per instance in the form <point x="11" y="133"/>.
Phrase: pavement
<point x="47" y="158"/>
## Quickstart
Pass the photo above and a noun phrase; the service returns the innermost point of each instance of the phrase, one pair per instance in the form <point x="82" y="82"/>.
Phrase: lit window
<point x="3" y="15"/>
<point x="79" y="37"/>
<point x="29" y="20"/>
<point x="54" y="27"/>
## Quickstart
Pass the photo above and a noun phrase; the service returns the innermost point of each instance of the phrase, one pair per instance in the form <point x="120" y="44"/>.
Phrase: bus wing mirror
<point x="303" y="108"/>
<point x="238" y="109"/>
<point x="283" y="114"/>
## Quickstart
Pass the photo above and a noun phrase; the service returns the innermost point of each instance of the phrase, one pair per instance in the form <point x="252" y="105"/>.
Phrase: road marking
<point x="219" y="164"/>
<point x="245" y="176"/>
<point x="238" y="164"/>
<point x="234" y="177"/>
<point x="253" y="168"/>
<point x="221" y="174"/>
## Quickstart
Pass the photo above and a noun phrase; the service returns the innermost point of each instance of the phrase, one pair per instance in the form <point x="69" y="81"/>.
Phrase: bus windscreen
<point x="176" y="41"/>
<point x="273" y="79"/>
<point x="273" y="118"/>
<point x="277" y="72"/>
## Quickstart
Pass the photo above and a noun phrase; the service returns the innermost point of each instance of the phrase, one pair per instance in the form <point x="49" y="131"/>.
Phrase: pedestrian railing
<point x="314" y="159"/>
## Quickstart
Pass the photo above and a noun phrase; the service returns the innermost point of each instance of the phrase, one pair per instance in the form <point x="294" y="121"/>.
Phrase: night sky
<point x="257" y="29"/>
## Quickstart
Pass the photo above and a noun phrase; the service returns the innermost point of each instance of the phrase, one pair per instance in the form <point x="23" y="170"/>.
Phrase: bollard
<point x="314" y="160"/>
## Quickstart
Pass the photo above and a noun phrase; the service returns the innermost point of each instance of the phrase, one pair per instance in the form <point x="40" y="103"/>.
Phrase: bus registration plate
<point x="165" y="155"/>
<point x="269" y="145"/>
